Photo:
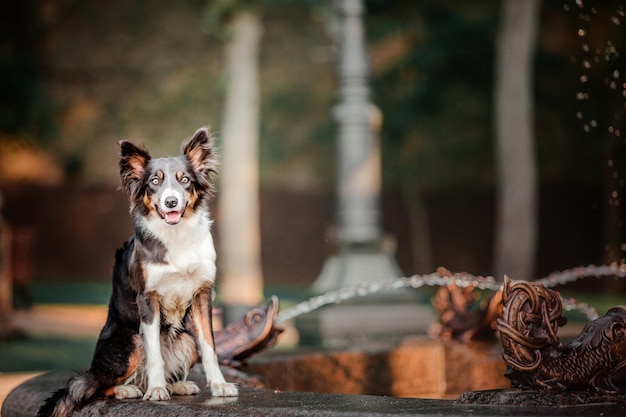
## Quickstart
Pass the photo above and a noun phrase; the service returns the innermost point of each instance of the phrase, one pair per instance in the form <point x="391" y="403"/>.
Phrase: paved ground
<point x="62" y="320"/>
<point x="53" y="320"/>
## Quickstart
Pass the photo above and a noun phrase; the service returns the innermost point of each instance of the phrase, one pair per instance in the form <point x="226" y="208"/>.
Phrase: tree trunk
<point x="516" y="227"/>
<point x="239" y="230"/>
<point x="6" y="288"/>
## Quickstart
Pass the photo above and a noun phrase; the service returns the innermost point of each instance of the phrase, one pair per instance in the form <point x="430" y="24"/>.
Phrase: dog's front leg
<point x="150" y="328"/>
<point x="201" y="310"/>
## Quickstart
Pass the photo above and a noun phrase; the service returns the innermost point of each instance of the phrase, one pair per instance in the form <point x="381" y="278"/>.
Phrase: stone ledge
<point x="26" y="399"/>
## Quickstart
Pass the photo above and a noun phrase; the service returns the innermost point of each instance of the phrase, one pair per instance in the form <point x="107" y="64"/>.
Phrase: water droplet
<point x="611" y="129"/>
<point x="614" y="194"/>
<point x="593" y="123"/>
<point x="613" y="85"/>
<point x="586" y="64"/>
<point x="585" y="47"/>
<point x="579" y="115"/>
<point x="583" y="78"/>
<point x="581" y="32"/>
<point x="566" y="7"/>
<point x="580" y="4"/>
<point x="610" y="163"/>
<point x="616" y="74"/>
<point x="586" y="128"/>
<point x="615" y="20"/>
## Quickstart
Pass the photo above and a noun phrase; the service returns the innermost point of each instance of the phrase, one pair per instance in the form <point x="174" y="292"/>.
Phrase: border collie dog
<point x="160" y="306"/>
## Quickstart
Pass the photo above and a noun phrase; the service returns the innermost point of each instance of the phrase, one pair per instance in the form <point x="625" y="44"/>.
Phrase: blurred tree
<point x="7" y="328"/>
<point x="516" y="227"/>
<point x="241" y="283"/>
<point x="239" y="229"/>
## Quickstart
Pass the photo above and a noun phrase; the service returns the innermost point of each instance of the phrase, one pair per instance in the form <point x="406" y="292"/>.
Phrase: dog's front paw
<point x="122" y="392"/>
<point x="156" y="394"/>
<point x="184" y="388"/>
<point x="224" y="389"/>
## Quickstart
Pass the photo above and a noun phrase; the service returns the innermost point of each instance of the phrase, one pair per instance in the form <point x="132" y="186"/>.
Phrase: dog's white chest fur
<point x="189" y="262"/>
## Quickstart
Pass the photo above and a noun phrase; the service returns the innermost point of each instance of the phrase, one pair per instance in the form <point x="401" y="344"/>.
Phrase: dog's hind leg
<point x="201" y="313"/>
<point x="117" y="362"/>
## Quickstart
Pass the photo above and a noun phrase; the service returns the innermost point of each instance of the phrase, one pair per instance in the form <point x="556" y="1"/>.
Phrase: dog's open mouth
<point x="172" y="217"/>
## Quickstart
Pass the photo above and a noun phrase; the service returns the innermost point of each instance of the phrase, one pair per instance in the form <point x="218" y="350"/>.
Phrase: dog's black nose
<point x="171" y="202"/>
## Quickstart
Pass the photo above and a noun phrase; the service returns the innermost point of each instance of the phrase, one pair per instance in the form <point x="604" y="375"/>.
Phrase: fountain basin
<point x="419" y="367"/>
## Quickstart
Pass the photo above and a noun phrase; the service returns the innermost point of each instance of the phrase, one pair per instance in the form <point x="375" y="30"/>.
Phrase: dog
<point x="159" y="313"/>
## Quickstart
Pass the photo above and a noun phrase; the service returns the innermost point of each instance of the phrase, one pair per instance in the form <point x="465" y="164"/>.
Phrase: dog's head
<point x="169" y="187"/>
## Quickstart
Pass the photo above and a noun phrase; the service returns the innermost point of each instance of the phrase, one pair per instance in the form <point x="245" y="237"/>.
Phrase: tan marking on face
<point x="147" y="201"/>
<point x="193" y="198"/>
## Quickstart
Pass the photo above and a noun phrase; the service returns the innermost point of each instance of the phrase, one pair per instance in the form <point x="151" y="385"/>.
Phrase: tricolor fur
<point x="160" y="307"/>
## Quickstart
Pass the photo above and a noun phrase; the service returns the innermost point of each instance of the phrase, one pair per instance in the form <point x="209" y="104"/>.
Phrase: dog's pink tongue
<point x="172" y="217"/>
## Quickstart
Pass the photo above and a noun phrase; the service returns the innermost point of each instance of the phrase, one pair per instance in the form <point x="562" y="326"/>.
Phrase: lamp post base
<point x="385" y="315"/>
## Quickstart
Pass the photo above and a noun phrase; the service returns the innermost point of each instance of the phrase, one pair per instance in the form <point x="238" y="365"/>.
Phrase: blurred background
<point x="76" y="76"/>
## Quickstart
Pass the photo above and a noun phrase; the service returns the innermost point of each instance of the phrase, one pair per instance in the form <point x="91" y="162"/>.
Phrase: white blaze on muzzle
<point x="171" y="205"/>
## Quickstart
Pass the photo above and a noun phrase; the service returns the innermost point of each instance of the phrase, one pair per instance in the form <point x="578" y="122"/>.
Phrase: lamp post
<point x="361" y="257"/>
<point x="359" y="234"/>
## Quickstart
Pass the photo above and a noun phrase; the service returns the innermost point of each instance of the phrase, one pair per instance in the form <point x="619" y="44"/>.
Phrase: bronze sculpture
<point x="462" y="314"/>
<point x="253" y="333"/>
<point x="535" y="356"/>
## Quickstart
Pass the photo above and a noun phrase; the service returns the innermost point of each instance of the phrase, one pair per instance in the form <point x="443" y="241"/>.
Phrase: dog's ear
<point x="133" y="161"/>
<point x="201" y="153"/>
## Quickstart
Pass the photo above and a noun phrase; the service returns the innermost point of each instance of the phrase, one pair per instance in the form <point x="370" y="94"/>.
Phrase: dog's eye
<point x="184" y="180"/>
<point x="155" y="181"/>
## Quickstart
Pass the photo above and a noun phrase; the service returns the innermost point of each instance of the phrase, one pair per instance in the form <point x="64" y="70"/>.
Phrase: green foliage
<point x="436" y="98"/>
<point x="25" y="108"/>
<point x="146" y="71"/>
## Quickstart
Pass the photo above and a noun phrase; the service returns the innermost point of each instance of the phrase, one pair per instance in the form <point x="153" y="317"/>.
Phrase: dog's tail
<point x="79" y="390"/>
